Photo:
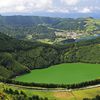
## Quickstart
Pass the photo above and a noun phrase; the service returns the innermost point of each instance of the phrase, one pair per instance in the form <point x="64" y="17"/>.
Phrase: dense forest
<point x="19" y="57"/>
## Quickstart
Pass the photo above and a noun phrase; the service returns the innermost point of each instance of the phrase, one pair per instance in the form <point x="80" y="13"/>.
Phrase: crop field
<point x="63" y="74"/>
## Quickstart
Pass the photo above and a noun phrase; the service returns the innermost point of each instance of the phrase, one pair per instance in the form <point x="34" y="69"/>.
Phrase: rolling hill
<point x="35" y="27"/>
<point x="18" y="56"/>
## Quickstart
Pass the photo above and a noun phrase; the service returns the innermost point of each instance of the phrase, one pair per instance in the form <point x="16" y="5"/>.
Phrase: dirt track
<point x="53" y="89"/>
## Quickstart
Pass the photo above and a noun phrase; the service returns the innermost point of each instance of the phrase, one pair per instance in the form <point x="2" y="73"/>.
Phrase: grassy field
<point x="57" y="95"/>
<point x="63" y="73"/>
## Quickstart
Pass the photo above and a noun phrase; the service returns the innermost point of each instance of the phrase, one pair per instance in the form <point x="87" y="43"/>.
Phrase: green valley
<point x="18" y="57"/>
<point x="44" y="58"/>
<point x="48" y="29"/>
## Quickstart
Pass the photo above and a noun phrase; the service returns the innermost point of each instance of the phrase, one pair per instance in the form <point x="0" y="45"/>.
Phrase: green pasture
<point x="63" y="74"/>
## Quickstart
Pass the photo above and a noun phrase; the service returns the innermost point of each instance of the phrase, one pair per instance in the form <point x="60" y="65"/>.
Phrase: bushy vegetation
<point x="20" y="95"/>
<point x="78" y="94"/>
<point x="67" y="86"/>
<point x="18" y="56"/>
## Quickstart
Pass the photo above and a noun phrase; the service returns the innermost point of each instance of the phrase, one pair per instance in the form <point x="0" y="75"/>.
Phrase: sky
<point x="52" y="6"/>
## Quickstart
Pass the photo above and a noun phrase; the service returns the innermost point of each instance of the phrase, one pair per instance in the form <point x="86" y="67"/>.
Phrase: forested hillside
<point x="18" y="56"/>
<point x="53" y="29"/>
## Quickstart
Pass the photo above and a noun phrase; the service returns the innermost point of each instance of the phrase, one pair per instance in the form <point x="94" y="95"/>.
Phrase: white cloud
<point x="85" y="10"/>
<point x="70" y="2"/>
<point x="24" y="5"/>
<point x="61" y="10"/>
<point x="97" y="8"/>
<point x="4" y="3"/>
<point x="63" y="6"/>
<point x="20" y="8"/>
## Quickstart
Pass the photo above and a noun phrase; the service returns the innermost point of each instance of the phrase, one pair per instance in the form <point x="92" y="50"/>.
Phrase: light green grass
<point x="63" y="73"/>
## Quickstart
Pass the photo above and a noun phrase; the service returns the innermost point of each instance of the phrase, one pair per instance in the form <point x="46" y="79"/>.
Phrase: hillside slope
<point x="35" y="27"/>
<point x="18" y="57"/>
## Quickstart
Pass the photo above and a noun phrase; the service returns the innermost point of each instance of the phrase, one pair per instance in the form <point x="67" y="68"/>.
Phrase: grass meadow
<point x="63" y="74"/>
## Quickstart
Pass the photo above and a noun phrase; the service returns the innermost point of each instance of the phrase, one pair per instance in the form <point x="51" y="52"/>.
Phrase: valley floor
<point x="53" y="95"/>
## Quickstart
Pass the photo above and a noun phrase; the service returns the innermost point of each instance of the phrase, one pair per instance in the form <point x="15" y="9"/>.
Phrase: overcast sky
<point x="63" y="6"/>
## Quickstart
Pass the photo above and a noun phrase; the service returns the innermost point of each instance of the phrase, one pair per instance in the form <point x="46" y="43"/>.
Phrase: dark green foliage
<point x="5" y="72"/>
<point x="10" y="67"/>
<point x="16" y="95"/>
<point x="22" y="93"/>
<point x="71" y="24"/>
<point x="21" y="26"/>
<point x="67" y="86"/>
<point x="9" y="44"/>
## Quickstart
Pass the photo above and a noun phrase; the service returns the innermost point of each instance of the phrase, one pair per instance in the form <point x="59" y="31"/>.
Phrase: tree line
<point x="67" y="86"/>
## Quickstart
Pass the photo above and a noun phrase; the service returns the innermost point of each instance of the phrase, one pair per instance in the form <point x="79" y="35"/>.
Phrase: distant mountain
<point x="24" y="25"/>
<point x="48" y="29"/>
<point x="57" y="14"/>
<point x="67" y="15"/>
